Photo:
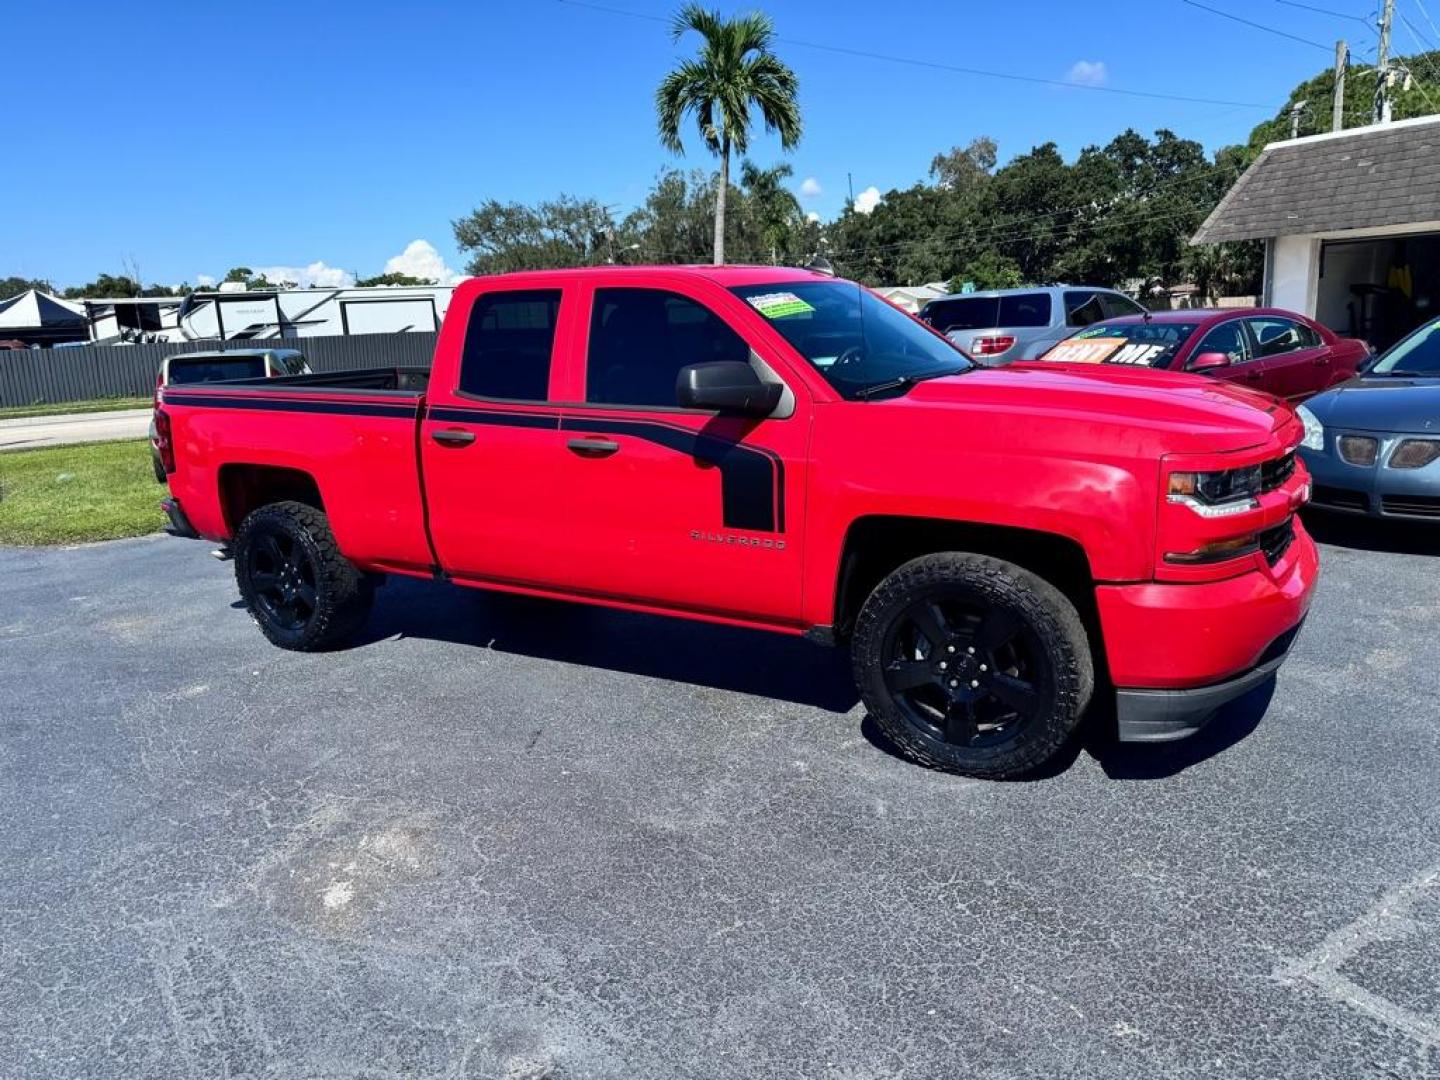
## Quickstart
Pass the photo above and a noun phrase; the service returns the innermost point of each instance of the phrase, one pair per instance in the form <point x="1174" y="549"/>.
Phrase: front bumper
<point x="1166" y="715"/>
<point x="1177" y="652"/>
<point x="1376" y="491"/>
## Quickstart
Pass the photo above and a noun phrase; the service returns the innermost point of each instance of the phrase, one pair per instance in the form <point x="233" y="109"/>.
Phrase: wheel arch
<point x="877" y="545"/>
<point x="247" y="487"/>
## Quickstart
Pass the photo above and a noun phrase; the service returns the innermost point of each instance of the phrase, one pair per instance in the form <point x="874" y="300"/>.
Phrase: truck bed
<point x="396" y="379"/>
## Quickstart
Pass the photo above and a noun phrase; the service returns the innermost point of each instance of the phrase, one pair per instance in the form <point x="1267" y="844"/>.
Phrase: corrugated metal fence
<point x="30" y="376"/>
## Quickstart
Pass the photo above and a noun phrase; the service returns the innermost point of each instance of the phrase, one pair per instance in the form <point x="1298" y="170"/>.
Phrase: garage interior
<point x="1380" y="288"/>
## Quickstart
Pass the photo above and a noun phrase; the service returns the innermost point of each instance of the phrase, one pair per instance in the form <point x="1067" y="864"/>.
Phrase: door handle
<point x="592" y="447"/>
<point x="453" y="437"/>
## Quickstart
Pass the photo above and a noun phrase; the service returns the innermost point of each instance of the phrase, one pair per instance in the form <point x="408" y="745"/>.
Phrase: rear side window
<point x="989" y="312"/>
<point x="508" y="344"/>
<point x="1275" y="336"/>
<point x="1084" y="309"/>
<point x="641" y="338"/>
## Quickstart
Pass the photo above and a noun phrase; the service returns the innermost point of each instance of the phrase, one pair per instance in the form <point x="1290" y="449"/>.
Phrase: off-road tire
<point x="343" y="595"/>
<point x="1055" y="628"/>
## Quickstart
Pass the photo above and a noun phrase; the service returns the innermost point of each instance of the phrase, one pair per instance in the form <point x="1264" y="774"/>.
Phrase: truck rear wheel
<point x="299" y="589"/>
<point x="973" y="665"/>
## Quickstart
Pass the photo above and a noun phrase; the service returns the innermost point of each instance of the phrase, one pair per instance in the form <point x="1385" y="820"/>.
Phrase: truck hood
<point x="1381" y="403"/>
<point x="1181" y="413"/>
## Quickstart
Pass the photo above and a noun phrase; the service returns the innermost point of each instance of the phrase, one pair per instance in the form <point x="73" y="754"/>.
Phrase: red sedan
<point x="1277" y="351"/>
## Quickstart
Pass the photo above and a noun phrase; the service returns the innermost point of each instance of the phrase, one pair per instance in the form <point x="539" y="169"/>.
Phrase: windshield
<point x="853" y="338"/>
<point x="1144" y="344"/>
<point x="1418" y="354"/>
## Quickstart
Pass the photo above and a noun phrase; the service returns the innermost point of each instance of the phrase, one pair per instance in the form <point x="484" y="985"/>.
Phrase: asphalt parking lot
<point x="507" y="838"/>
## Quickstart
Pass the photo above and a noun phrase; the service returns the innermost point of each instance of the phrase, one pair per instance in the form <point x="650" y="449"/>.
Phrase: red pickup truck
<point x="782" y="450"/>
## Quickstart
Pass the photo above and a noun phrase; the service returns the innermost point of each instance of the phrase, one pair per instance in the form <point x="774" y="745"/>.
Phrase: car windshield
<point x="1418" y="354"/>
<point x="1148" y="344"/>
<point x="857" y="341"/>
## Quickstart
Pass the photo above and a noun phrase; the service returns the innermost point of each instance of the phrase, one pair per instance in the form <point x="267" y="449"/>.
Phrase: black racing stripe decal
<point x="747" y="475"/>
<point x="353" y="408"/>
<point x="501" y="419"/>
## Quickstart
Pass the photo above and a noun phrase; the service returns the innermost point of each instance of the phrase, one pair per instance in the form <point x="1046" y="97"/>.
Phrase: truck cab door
<point x="490" y="443"/>
<point x="674" y="507"/>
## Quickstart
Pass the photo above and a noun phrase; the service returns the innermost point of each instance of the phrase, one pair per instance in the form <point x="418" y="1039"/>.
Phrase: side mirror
<point x="727" y="386"/>
<point x="1209" y="361"/>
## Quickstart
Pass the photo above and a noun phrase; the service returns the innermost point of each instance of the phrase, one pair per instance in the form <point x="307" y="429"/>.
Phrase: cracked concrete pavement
<point x="508" y="838"/>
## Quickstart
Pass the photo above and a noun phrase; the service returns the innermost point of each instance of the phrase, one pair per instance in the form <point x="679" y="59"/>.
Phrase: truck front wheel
<point x="299" y="589"/>
<point x="973" y="665"/>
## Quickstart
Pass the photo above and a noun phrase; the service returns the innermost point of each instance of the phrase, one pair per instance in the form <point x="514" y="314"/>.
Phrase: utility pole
<point x="1342" y="62"/>
<point x="1382" y="65"/>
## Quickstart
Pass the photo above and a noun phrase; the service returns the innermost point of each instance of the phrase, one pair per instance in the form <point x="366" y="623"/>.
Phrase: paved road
<point x="516" y="839"/>
<point x="33" y="431"/>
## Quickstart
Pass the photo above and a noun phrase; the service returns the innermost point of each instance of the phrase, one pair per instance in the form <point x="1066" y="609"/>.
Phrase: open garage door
<point x="1379" y="289"/>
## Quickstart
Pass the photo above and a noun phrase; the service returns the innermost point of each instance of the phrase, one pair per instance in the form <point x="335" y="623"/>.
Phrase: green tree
<point x="104" y="286"/>
<point x="505" y="237"/>
<point x="392" y="278"/>
<point x="14" y="286"/>
<point x="734" y="70"/>
<point x="772" y="209"/>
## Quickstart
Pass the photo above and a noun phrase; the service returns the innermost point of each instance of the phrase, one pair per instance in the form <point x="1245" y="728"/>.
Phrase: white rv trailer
<point x="127" y="320"/>
<point x="272" y="313"/>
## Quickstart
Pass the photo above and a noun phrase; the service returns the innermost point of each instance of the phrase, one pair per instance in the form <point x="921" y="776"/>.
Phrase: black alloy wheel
<point x="970" y="676"/>
<point x="282" y="576"/>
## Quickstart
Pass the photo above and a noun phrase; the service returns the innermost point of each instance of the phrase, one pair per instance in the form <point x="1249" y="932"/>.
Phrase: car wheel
<point x="299" y="589"/>
<point x="973" y="665"/>
<point x="160" y="477"/>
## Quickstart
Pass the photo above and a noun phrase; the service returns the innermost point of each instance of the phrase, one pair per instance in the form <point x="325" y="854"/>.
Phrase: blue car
<point x="1372" y="444"/>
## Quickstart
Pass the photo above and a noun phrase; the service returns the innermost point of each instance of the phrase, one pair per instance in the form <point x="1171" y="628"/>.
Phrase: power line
<point x="1257" y="26"/>
<point x="953" y="68"/>
<point x="1420" y="5"/>
<point x="1325" y="11"/>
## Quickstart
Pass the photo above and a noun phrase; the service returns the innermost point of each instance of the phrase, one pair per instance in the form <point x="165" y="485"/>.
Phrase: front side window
<point x="1228" y="338"/>
<point x="641" y="338"/>
<point x="1117" y="306"/>
<point x="1275" y="336"/>
<point x="854" y="339"/>
<point x="508" y="344"/>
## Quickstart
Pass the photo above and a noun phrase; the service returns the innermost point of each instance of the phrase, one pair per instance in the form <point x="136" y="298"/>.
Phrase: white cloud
<point x="1088" y="73"/>
<point x="204" y="281"/>
<point x="813" y="216"/>
<point x="867" y="200"/>
<point x="317" y="273"/>
<point x="810" y="188"/>
<point x="421" y="260"/>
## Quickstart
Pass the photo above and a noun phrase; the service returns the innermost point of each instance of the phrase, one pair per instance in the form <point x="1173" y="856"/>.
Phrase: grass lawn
<point x="59" y="408"/>
<point x="69" y="494"/>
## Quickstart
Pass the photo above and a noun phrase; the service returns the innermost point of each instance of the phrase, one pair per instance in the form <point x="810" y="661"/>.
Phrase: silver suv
<point x="1005" y="325"/>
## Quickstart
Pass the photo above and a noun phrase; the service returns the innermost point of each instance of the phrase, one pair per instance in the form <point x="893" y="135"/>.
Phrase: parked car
<point x="1279" y="352"/>
<point x="1006" y="325"/>
<point x="184" y="369"/>
<point x="1373" y="444"/>
<point x="776" y="449"/>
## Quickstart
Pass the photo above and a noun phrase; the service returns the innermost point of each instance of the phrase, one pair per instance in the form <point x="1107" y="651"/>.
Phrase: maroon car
<point x="1277" y="351"/>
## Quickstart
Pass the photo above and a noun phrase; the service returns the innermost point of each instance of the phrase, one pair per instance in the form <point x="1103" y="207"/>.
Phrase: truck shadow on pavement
<point x="680" y="650"/>
<point x="741" y="661"/>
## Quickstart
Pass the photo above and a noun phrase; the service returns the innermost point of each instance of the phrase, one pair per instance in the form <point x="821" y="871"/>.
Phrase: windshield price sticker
<point x="779" y="305"/>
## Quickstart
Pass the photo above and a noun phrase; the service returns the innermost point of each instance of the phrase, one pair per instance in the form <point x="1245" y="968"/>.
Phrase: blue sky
<point x="198" y="136"/>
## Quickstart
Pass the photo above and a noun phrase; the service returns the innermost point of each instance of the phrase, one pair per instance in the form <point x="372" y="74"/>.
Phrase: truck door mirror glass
<point x="1209" y="361"/>
<point x="727" y="386"/>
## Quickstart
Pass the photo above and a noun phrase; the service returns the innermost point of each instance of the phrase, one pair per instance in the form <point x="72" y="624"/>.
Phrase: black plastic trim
<point x="179" y="523"/>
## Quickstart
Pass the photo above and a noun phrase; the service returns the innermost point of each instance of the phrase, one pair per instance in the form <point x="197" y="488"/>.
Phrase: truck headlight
<point x="1314" y="430"/>
<point x="1216" y="494"/>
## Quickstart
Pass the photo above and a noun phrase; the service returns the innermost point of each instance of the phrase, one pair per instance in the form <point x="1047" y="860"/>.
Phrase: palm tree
<point x="776" y="211"/>
<point x="734" y="70"/>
